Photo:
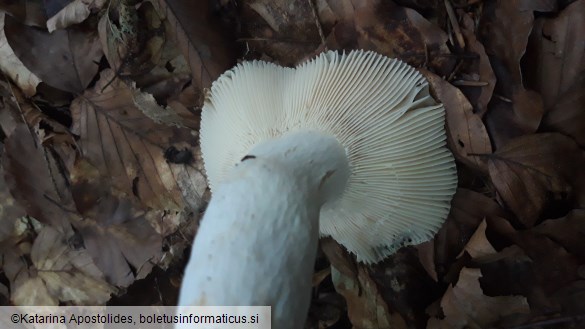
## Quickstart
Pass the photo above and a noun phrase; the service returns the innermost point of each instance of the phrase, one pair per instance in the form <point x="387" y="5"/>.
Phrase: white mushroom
<point x="350" y="146"/>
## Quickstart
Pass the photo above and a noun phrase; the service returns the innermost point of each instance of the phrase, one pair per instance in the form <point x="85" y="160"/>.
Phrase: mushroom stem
<point x="257" y="241"/>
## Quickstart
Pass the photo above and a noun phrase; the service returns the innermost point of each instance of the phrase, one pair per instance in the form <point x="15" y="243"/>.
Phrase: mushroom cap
<point x="402" y="174"/>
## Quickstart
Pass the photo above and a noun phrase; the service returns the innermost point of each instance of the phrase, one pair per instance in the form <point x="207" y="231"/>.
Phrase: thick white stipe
<point x="258" y="238"/>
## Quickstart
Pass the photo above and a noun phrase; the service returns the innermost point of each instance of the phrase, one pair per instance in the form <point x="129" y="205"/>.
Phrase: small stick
<point x="454" y="24"/>
<point x="469" y="83"/>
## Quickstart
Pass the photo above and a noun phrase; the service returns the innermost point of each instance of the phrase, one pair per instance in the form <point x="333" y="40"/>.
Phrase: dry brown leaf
<point x="466" y="135"/>
<point x="541" y="269"/>
<point x="567" y="231"/>
<point x="426" y="256"/>
<point x="28" y="12"/>
<point x="111" y="219"/>
<point x="130" y="148"/>
<point x="35" y="180"/>
<point x="510" y="272"/>
<point x="284" y="31"/>
<point x="405" y="286"/>
<point x="478" y="246"/>
<point x="468" y="210"/>
<point x="392" y="294"/>
<point x="466" y="306"/>
<point x="10" y="210"/>
<point x="74" y="12"/>
<point x="59" y="273"/>
<point x="505" y="31"/>
<point x="146" y="103"/>
<point x="365" y="306"/>
<point x="478" y="96"/>
<point x="207" y="51"/>
<point x="519" y="116"/>
<point x="557" y="47"/>
<point x="571" y="299"/>
<point x="18" y="108"/>
<point x="568" y="114"/>
<point x="402" y="33"/>
<point x="65" y="59"/>
<point x="13" y="67"/>
<point x="537" y="171"/>
<point x="169" y="77"/>
<point x="333" y="11"/>
<point x="121" y="242"/>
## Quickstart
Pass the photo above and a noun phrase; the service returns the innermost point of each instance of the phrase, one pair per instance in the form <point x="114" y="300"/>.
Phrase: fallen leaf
<point x="405" y="287"/>
<point x="58" y="274"/>
<point x="426" y="256"/>
<point x="34" y="179"/>
<point x="402" y="33"/>
<point x="520" y="115"/>
<point x="65" y="59"/>
<point x="287" y="31"/>
<point x="478" y="96"/>
<point x="365" y="306"/>
<point x="478" y="246"/>
<point x="466" y="135"/>
<point x="468" y="210"/>
<point x="535" y="172"/>
<point x="134" y="39"/>
<point x="127" y="146"/>
<point x="28" y="12"/>
<point x="24" y="110"/>
<point x="557" y="49"/>
<point x="568" y="231"/>
<point x="550" y="268"/>
<point x="13" y="67"/>
<point x="505" y="30"/>
<point x="74" y="12"/>
<point x="10" y="210"/>
<point x="567" y="116"/>
<point x="465" y="304"/>
<point x="121" y="242"/>
<point x="571" y="299"/>
<point x="208" y="52"/>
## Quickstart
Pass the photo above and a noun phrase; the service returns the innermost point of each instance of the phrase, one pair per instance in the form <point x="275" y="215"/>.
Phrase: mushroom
<point x="348" y="145"/>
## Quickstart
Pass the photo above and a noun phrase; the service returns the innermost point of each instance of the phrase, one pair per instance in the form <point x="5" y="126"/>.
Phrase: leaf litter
<point x="101" y="174"/>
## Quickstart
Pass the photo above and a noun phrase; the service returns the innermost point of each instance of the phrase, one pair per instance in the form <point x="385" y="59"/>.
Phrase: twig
<point x="455" y="71"/>
<point x="469" y="83"/>
<point x="454" y="23"/>
<point x="566" y="320"/>
<point x="502" y="98"/>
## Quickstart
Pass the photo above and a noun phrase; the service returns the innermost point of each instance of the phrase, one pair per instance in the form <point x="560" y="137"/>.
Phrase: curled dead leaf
<point x="74" y="12"/>
<point x="465" y="304"/>
<point x="466" y="134"/>
<point x="13" y="67"/>
<point x="468" y="211"/>
<point x="539" y="171"/>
